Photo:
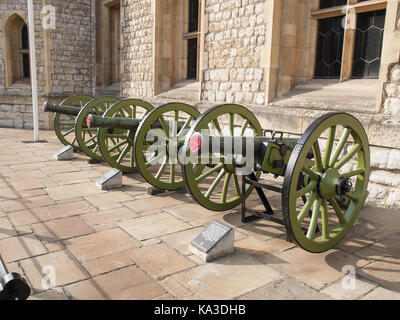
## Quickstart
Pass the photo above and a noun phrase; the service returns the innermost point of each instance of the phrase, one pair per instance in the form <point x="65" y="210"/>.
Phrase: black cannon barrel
<point x="94" y="121"/>
<point x="238" y="145"/>
<point x="67" y="110"/>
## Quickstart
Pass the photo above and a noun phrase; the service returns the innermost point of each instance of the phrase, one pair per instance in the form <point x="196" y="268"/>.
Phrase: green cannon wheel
<point x="339" y="169"/>
<point x="217" y="185"/>
<point x="157" y="143"/>
<point x="116" y="145"/>
<point x="64" y="125"/>
<point x="87" y="137"/>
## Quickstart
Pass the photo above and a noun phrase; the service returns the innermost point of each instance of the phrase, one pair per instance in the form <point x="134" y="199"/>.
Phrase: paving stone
<point x="101" y="244"/>
<point x="227" y="278"/>
<point x="54" y="246"/>
<point x="72" y="191"/>
<point x="152" y="226"/>
<point x="107" y="198"/>
<point x="109" y="216"/>
<point x="382" y="294"/>
<point x="32" y="193"/>
<point x="107" y="263"/>
<point x="264" y="229"/>
<point x="68" y="209"/>
<point x="175" y="288"/>
<point x="59" y="169"/>
<point x="53" y="294"/>
<point x="26" y="203"/>
<point x="159" y="202"/>
<point x="166" y="297"/>
<point x="75" y="177"/>
<point x="159" y="260"/>
<point x="60" y="229"/>
<point x="24" y="175"/>
<point x="189" y="212"/>
<point x="354" y="242"/>
<point x="22" y="247"/>
<point x="258" y="248"/>
<point x="60" y="264"/>
<point x="6" y="229"/>
<point x="287" y="289"/>
<point x="342" y="291"/>
<point x="316" y="270"/>
<point x="28" y="184"/>
<point x="129" y="283"/>
<point x="390" y="246"/>
<point x="180" y="241"/>
<point x="385" y="272"/>
<point x="25" y="217"/>
<point x="7" y="194"/>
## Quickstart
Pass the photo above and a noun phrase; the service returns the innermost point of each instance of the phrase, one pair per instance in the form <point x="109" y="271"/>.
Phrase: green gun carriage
<point x="325" y="172"/>
<point x="126" y="142"/>
<point x="69" y="121"/>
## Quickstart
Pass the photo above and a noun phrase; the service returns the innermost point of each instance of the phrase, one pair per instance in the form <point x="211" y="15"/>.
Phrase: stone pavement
<point x="125" y="244"/>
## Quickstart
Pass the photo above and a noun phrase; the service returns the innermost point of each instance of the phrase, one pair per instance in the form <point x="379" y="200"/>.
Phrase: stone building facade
<point x="289" y="61"/>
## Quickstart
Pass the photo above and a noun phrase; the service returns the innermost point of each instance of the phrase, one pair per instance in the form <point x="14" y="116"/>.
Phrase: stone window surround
<point x="5" y="44"/>
<point x="350" y="12"/>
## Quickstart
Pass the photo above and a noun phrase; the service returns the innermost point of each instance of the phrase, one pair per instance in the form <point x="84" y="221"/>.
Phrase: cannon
<point x="146" y="144"/>
<point x="69" y="121"/>
<point x="325" y="172"/>
<point x="12" y="285"/>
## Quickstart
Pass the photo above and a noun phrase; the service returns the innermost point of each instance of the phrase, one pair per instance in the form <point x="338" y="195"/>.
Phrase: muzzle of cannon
<point x="12" y="285"/>
<point x="325" y="171"/>
<point x="57" y="108"/>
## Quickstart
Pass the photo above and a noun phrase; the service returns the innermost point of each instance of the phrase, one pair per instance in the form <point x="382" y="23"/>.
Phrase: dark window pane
<point x="26" y="67"/>
<point x="193" y="15"/>
<point x="368" y="46"/>
<point x="331" y="3"/>
<point x="192" y="59"/>
<point x="329" y="48"/>
<point x="24" y="37"/>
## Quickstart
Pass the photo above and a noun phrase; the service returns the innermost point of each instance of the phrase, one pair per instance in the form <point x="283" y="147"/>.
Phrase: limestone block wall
<point x="72" y="47"/>
<point x="392" y="91"/>
<point x="233" y="48"/>
<point x="137" y="48"/>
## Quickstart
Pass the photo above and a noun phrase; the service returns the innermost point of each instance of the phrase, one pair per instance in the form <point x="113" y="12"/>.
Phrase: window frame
<point x="349" y="12"/>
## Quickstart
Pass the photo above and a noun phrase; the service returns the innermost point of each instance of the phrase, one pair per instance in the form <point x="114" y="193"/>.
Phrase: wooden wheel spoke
<point x="185" y="125"/>
<point x="117" y="146"/>
<point x="238" y="190"/>
<point x="154" y="159"/>
<point x="314" y="219"/>
<point x="209" y="172"/>
<point x="352" y="197"/>
<point x="348" y="156"/>
<point x="317" y="156"/>
<point x="226" y="187"/>
<point x="313" y="175"/>
<point x="329" y="146"/>
<point x="310" y="187"/>
<point x="90" y="140"/>
<point x="68" y="132"/>
<point x="164" y="125"/>
<point x="217" y="126"/>
<point x="338" y="211"/>
<point x="244" y="127"/>
<point x="67" y="123"/>
<point x="162" y="168"/>
<point x="232" y="124"/>
<point x="215" y="183"/>
<point x="340" y="146"/>
<point x="353" y="173"/>
<point x="307" y="207"/>
<point x="325" y="220"/>
<point x="132" y="163"/>
<point x="123" y="154"/>
<point x="172" y="173"/>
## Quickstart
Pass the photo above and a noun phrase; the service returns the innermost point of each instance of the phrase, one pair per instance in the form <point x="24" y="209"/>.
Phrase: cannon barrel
<point x="238" y="145"/>
<point x="67" y="110"/>
<point x="94" y="121"/>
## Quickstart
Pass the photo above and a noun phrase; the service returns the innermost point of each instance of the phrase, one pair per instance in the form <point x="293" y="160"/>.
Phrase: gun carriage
<point x="325" y="172"/>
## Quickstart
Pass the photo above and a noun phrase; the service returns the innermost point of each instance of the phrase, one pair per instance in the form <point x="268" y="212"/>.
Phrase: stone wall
<point x="72" y="47"/>
<point x="392" y="91"/>
<point x="137" y="48"/>
<point x="233" y="51"/>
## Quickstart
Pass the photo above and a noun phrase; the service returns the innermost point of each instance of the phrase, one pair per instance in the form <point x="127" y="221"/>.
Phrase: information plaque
<point x="211" y="236"/>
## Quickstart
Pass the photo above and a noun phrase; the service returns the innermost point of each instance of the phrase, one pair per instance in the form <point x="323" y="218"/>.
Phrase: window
<point x="192" y="39"/>
<point x="350" y="38"/>
<point x="368" y="47"/>
<point x="25" y="52"/>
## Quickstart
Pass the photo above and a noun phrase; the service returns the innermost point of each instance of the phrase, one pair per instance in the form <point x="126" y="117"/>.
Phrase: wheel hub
<point x="331" y="183"/>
